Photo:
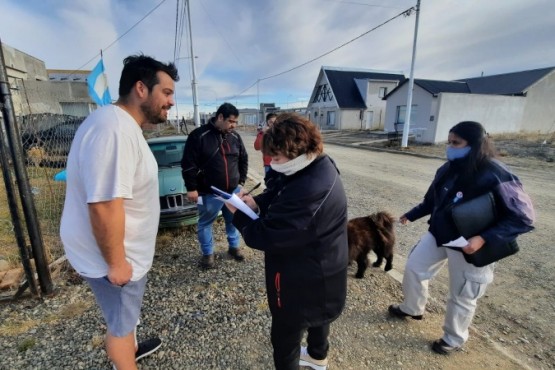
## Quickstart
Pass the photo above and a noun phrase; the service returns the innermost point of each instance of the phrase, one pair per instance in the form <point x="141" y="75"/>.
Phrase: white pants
<point x="467" y="283"/>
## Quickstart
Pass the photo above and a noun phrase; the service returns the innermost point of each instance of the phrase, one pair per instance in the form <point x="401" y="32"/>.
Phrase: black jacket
<point x="212" y="158"/>
<point x="302" y="230"/>
<point x="514" y="207"/>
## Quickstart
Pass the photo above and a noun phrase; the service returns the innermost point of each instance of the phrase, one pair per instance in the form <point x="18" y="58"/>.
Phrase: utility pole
<point x="406" y="127"/>
<point x="196" y="113"/>
<point x="258" y="99"/>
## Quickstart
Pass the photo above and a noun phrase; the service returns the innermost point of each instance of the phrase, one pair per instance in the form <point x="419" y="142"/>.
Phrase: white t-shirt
<point x="109" y="158"/>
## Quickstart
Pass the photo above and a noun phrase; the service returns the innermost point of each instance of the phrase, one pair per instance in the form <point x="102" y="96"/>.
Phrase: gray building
<point x="36" y="90"/>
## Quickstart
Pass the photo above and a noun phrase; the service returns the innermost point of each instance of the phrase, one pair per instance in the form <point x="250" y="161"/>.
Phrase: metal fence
<point x="46" y="140"/>
<point x="44" y="143"/>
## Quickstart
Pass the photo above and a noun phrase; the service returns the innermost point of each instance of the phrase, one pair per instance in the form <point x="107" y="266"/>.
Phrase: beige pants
<point x="467" y="283"/>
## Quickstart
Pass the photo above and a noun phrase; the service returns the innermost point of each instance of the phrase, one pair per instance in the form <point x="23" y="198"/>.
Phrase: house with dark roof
<point x="511" y="102"/>
<point x="344" y="99"/>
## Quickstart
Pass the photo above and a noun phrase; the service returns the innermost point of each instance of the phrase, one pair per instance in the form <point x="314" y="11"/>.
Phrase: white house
<point x="345" y="99"/>
<point x="511" y="102"/>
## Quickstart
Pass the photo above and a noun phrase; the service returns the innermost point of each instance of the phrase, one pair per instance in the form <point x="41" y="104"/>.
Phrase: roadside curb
<point x="374" y="149"/>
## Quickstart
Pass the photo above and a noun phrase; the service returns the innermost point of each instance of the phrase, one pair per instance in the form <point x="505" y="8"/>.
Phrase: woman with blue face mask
<point x="471" y="170"/>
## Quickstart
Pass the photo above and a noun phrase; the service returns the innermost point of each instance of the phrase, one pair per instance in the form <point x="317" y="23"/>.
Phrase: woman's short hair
<point x="292" y="135"/>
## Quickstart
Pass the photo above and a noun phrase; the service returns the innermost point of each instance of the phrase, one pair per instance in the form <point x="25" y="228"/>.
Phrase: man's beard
<point x="152" y="114"/>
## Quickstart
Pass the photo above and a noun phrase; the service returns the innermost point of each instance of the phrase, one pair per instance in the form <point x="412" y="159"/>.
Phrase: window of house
<point x="330" y="118"/>
<point x="383" y="92"/>
<point x="402" y="111"/>
<point x="323" y="94"/>
<point x="317" y="94"/>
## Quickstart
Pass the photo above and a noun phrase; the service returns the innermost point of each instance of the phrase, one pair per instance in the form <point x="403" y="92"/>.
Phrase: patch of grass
<point x="26" y="344"/>
<point x="16" y="327"/>
<point x="69" y="311"/>
<point x="49" y="197"/>
<point x="164" y="240"/>
<point x="97" y="341"/>
<point x="523" y="136"/>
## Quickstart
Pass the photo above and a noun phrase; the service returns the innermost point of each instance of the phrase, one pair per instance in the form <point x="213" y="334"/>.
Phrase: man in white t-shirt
<point x="111" y="211"/>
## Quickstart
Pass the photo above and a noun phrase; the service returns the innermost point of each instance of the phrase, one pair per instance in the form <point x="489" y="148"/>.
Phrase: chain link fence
<point x="46" y="140"/>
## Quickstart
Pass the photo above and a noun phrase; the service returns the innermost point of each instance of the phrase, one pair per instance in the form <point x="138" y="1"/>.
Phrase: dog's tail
<point x="384" y="222"/>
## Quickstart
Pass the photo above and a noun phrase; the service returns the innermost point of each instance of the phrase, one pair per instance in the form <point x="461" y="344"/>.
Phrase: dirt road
<point x="518" y="312"/>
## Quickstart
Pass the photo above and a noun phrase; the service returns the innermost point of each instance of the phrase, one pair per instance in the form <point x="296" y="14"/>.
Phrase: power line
<point x="176" y="28"/>
<point x="221" y="35"/>
<point x="120" y="37"/>
<point x="406" y="13"/>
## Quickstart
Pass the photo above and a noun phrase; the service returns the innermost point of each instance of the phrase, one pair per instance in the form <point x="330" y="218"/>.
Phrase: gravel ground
<point x="219" y="319"/>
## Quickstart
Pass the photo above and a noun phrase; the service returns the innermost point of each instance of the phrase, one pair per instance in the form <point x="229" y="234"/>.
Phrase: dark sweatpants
<point x="286" y="340"/>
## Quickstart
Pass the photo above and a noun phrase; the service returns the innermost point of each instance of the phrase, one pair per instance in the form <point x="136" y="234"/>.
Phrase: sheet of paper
<point x="457" y="243"/>
<point x="242" y="206"/>
<point x="234" y="200"/>
<point x="220" y="193"/>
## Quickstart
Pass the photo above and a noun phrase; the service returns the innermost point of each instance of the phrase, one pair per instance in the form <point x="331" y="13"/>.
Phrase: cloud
<point x="238" y="42"/>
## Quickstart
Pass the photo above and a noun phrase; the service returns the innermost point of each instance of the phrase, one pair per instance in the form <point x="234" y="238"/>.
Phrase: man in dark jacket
<point x="215" y="156"/>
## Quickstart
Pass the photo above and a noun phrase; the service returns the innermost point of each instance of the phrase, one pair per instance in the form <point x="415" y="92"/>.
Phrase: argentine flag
<point x="98" y="85"/>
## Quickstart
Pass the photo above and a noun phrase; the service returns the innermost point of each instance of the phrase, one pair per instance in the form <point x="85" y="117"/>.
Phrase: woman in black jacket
<point x="302" y="231"/>
<point x="470" y="172"/>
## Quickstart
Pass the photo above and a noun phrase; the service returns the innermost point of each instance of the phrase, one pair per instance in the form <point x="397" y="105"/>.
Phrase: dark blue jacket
<point x="514" y="207"/>
<point x="302" y="231"/>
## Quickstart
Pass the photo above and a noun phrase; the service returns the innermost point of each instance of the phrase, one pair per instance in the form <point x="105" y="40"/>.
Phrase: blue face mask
<point x="456" y="153"/>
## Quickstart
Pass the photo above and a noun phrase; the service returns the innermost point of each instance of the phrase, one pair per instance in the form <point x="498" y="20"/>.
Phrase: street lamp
<point x="182" y="58"/>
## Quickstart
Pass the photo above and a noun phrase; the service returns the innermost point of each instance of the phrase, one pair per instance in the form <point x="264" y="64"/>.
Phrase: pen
<point x="253" y="189"/>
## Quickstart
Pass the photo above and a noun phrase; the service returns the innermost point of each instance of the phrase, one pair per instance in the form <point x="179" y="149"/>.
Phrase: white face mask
<point x="294" y="165"/>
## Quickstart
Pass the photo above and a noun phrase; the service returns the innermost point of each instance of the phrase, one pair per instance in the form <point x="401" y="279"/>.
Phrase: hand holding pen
<point x="248" y="199"/>
<point x="253" y="189"/>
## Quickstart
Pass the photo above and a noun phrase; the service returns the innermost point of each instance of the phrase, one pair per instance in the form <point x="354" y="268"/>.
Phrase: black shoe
<point x="236" y="254"/>
<point x="441" y="347"/>
<point x="207" y="262"/>
<point x="147" y="347"/>
<point x="395" y="311"/>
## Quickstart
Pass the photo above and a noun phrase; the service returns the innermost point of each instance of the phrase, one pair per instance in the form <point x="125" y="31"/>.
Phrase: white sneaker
<point x="308" y="361"/>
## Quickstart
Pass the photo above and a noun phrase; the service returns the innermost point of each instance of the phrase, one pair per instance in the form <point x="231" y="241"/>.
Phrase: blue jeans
<point x="207" y="213"/>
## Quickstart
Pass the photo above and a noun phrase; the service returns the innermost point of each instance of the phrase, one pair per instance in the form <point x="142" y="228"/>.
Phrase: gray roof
<point x="516" y="83"/>
<point x="435" y="87"/>
<point x="344" y="87"/>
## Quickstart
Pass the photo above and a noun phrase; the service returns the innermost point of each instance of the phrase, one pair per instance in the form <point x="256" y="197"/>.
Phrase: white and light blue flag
<point x="98" y="85"/>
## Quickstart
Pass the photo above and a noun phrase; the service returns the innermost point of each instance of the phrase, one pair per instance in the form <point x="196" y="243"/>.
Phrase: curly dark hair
<point x="292" y="135"/>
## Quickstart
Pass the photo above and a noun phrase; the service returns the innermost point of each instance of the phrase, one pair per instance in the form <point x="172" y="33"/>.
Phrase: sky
<point x="239" y="45"/>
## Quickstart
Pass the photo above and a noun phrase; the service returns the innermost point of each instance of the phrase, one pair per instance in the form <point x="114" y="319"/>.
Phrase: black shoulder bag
<point x="475" y="216"/>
